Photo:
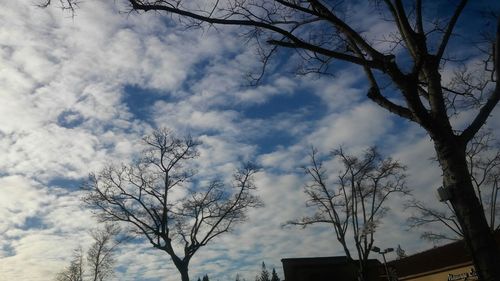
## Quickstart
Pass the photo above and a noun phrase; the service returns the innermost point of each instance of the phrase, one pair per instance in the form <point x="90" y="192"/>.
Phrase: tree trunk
<point x="477" y="235"/>
<point x="184" y="273"/>
<point x="357" y="268"/>
<point x="361" y="276"/>
<point x="182" y="267"/>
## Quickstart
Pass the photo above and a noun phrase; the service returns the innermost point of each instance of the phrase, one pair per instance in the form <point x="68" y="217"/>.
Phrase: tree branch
<point x="337" y="55"/>
<point x="492" y="101"/>
<point x="403" y="25"/>
<point x="449" y="28"/>
<point x="419" y="18"/>
<point x="375" y="95"/>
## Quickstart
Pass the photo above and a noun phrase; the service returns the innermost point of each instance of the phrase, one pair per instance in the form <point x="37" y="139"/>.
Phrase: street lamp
<point x="388" y="250"/>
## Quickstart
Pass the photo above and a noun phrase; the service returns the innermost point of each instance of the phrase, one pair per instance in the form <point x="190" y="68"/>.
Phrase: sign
<point x="465" y="276"/>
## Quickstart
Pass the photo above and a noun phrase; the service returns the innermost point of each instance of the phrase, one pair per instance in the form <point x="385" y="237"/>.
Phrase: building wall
<point x="461" y="273"/>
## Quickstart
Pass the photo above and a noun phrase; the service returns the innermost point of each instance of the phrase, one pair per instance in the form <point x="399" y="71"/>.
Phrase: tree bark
<point x="184" y="274"/>
<point x="183" y="268"/>
<point x="477" y="235"/>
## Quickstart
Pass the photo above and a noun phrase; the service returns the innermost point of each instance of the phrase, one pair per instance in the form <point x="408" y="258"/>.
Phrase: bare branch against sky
<point x="161" y="198"/>
<point x="352" y="201"/>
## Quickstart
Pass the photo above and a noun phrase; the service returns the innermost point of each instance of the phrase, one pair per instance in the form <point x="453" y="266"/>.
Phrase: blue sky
<point x="79" y="93"/>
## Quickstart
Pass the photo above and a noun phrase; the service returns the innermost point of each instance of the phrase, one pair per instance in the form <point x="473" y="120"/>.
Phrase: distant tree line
<point x="264" y="275"/>
<point x="205" y="278"/>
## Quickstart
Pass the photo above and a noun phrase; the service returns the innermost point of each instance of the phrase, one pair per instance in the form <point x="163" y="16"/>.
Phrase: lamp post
<point x="388" y="250"/>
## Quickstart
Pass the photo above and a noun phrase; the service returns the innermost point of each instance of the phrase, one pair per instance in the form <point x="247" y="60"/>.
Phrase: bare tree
<point x="158" y="196"/>
<point x="74" y="272"/>
<point x="483" y="158"/>
<point x="354" y="201"/>
<point x="322" y="33"/>
<point x="100" y="257"/>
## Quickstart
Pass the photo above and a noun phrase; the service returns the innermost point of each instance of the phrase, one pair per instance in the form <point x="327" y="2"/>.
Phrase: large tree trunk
<point x="182" y="267"/>
<point x="478" y="237"/>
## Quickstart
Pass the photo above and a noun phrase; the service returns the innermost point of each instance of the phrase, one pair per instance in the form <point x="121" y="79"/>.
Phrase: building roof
<point x="337" y="260"/>
<point x="316" y="260"/>
<point x="444" y="257"/>
<point x="326" y="268"/>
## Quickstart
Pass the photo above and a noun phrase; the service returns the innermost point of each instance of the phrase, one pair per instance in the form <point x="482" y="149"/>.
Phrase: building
<point x="326" y="269"/>
<point x="450" y="262"/>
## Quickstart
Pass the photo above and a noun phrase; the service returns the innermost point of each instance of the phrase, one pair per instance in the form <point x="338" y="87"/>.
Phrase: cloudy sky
<point x="79" y="92"/>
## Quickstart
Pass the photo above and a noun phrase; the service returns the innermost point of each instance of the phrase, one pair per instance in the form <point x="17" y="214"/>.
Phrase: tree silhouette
<point x="153" y="195"/>
<point x="99" y="262"/>
<point x="100" y="257"/>
<point x="274" y="276"/>
<point x="75" y="271"/>
<point x="354" y="201"/>
<point x="264" y="274"/>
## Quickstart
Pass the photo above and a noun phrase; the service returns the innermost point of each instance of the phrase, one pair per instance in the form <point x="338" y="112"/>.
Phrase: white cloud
<point x="65" y="113"/>
<point x="37" y="218"/>
<point x="356" y="127"/>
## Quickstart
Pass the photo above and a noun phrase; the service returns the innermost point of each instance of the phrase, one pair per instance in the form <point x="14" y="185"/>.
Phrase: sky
<point x="78" y="93"/>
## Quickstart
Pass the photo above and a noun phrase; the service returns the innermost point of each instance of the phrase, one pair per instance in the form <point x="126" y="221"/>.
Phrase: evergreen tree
<point x="264" y="275"/>
<point x="274" y="275"/>
<point x="400" y="252"/>
<point x="205" y="278"/>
